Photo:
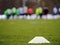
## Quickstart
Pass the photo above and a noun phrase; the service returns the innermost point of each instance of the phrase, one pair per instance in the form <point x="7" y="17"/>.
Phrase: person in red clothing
<point x="30" y="11"/>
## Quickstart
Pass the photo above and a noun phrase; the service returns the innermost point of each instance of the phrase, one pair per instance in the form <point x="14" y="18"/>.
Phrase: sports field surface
<point x="20" y="32"/>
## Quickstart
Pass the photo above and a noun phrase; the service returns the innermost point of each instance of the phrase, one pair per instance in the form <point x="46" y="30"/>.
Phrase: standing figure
<point x="39" y="12"/>
<point x="21" y="11"/>
<point x="25" y="9"/>
<point x="30" y="11"/>
<point x="55" y="10"/>
<point x="59" y="10"/>
<point x="14" y="10"/>
<point x="8" y="13"/>
<point x="45" y="10"/>
<point x="17" y="12"/>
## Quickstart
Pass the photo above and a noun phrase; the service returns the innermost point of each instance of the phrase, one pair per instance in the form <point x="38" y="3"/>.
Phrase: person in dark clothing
<point x="45" y="10"/>
<point x="59" y="10"/>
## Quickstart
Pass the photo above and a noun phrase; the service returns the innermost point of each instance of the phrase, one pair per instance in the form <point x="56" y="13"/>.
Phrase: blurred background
<point x="4" y="4"/>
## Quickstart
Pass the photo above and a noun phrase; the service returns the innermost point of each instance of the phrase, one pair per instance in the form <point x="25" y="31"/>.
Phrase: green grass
<point x="19" y="32"/>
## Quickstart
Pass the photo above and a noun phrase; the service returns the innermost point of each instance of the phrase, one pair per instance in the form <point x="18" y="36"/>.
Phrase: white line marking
<point x="38" y="40"/>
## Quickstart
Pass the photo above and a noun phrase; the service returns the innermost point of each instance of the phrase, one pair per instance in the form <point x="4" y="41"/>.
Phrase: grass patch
<point x="20" y="32"/>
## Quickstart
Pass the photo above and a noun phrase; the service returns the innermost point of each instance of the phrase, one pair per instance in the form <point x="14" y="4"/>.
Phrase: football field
<point x="20" y="32"/>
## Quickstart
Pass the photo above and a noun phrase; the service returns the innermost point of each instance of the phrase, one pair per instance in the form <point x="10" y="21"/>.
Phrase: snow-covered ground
<point x="34" y="16"/>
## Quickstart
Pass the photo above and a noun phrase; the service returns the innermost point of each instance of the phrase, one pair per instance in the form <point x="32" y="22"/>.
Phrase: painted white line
<point x="38" y="39"/>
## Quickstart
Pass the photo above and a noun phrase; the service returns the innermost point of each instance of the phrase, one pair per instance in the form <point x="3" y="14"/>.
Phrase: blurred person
<point x="45" y="11"/>
<point x="30" y="11"/>
<point x="7" y="13"/>
<point x="21" y="11"/>
<point x="55" y="10"/>
<point x="39" y="12"/>
<point x="17" y="12"/>
<point x="14" y="10"/>
<point x="59" y="10"/>
<point x="25" y="9"/>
